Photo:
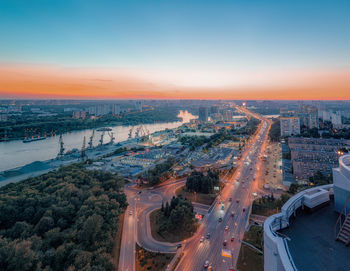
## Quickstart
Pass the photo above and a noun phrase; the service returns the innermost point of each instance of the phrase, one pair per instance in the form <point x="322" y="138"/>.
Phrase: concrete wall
<point x="341" y="180"/>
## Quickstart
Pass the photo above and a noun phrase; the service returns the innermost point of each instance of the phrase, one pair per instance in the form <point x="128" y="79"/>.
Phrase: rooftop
<point x="312" y="244"/>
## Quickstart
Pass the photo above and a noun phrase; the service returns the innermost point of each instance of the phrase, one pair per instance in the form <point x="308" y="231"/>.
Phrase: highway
<point x="239" y="188"/>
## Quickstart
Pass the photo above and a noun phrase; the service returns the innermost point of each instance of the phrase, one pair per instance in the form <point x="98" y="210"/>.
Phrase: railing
<point x="340" y="219"/>
<point x="281" y="221"/>
<point x="289" y="255"/>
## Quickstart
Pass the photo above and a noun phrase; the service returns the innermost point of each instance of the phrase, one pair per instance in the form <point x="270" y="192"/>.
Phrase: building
<point x="307" y="234"/>
<point x="341" y="180"/>
<point x="228" y="115"/>
<point x="138" y="105"/>
<point x="336" y="120"/>
<point x="3" y="117"/>
<point x="290" y="126"/>
<point x="308" y="116"/>
<point x="310" y="155"/>
<point x="79" y="115"/>
<point x="214" y="109"/>
<point x="203" y="114"/>
<point x="116" y="109"/>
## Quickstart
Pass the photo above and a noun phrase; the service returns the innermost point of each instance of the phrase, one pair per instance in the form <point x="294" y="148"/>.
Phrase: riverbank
<point x="54" y="125"/>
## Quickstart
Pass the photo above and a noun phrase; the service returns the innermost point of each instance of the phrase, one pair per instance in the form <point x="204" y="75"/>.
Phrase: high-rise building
<point x="228" y="115"/>
<point x="308" y="116"/>
<point x="290" y="126"/>
<point x="116" y="109"/>
<point x="203" y="114"/>
<point x="214" y="109"/>
<point x="336" y="120"/>
<point x="138" y="105"/>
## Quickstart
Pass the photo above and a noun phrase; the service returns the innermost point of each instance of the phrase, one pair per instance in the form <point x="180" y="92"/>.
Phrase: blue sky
<point x="176" y="34"/>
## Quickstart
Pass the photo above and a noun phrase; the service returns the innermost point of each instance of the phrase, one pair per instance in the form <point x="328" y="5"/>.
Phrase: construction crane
<point x="101" y="139"/>
<point x="91" y="138"/>
<point x="111" y="135"/>
<point x="61" y="145"/>
<point x="130" y="132"/>
<point x="83" y="149"/>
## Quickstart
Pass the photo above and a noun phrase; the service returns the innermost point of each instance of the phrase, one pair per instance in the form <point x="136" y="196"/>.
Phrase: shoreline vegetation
<point x="63" y="220"/>
<point x="21" y="126"/>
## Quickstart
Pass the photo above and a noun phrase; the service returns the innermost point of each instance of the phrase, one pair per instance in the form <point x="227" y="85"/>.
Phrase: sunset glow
<point x="50" y="82"/>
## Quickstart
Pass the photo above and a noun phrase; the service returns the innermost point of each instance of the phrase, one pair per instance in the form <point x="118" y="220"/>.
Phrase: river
<point x="16" y="153"/>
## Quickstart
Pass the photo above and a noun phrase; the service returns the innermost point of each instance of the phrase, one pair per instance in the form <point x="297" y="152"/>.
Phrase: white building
<point x="341" y="180"/>
<point x="290" y="126"/>
<point x="336" y="120"/>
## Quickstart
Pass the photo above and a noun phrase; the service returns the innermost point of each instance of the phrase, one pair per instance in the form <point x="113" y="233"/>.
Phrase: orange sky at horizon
<point x="38" y="82"/>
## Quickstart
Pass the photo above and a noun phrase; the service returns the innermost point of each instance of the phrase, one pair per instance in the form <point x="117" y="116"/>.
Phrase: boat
<point x="33" y="139"/>
<point x="104" y="129"/>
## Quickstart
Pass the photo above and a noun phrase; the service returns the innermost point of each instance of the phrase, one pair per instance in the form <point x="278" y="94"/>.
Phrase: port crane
<point x="101" y="139"/>
<point x="61" y="145"/>
<point x="83" y="149"/>
<point x="91" y="138"/>
<point x="130" y="132"/>
<point x="111" y="135"/>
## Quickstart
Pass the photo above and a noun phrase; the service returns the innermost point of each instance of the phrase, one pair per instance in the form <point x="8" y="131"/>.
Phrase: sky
<point x="256" y="49"/>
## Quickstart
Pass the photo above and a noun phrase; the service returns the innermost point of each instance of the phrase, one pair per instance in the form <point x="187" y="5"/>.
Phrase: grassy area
<point x="147" y="260"/>
<point x="171" y="237"/>
<point x="249" y="259"/>
<point x="269" y="205"/>
<point x="118" y="241"/>
<point x="198" y="197"/>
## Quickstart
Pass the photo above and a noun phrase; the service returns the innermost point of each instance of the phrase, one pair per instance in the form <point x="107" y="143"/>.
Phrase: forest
<point x="63" y="220"/>
<point x="198" y="182"/>
<point x="178" y="216"/>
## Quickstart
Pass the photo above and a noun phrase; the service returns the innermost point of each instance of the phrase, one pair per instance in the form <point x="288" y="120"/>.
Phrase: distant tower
<point x="91" y="138"/>
<point x="61" y="145"/>
<point x="83" y="149"/>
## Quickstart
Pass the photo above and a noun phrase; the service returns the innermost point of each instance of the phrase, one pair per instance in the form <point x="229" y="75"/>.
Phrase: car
<point x="220" y="219"/>
<point x="232" y="214"/>
<point x="139" y="192"/>
<point x="226" y="228"/>
<point x="202" y="239"/>
<point x="207" y="235"/>
<point x="222" y="207"/>
<point x="230" y="199"/>
<point x="225" y="243"/>
<point x="232" y="239"/>
<point x="243" y="210"/>
<point x="178" y="245"/>
<point x="130" y="212"/>
<point x="206" y="264"/>
<point x="237" y="201"/>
